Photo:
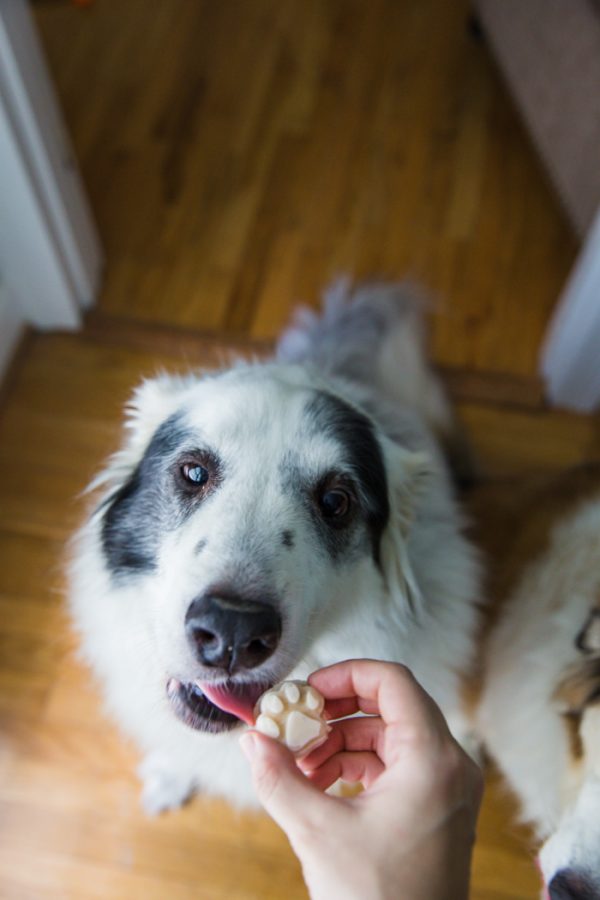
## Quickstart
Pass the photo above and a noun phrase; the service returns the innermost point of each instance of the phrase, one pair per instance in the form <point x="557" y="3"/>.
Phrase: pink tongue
<point x="239" y="700"/>
<point x="544" y="888"/>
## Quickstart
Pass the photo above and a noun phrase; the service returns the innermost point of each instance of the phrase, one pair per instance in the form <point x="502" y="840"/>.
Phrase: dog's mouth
<point x="215" y="708"/>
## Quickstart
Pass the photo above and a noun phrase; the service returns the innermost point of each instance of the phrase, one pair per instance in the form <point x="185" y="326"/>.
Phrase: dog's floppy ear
<point x="408" y="473"/>
<point x="151" y="403"/>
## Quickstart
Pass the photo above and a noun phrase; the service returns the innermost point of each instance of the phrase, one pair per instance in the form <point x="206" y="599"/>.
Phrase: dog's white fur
<point x="419" y="607"/>
<point x="532" y="650"/>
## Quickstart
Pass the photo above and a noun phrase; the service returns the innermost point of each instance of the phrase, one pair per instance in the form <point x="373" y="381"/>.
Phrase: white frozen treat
<point x="271" y="704"/>
<point x="290" y="691"/>
<point x="301" y="730"/>
<point x="292" y="712"/>
<point x="268" y="726"/>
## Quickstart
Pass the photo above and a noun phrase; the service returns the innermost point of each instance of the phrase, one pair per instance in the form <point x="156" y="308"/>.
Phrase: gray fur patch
<point x="287" y="538"/>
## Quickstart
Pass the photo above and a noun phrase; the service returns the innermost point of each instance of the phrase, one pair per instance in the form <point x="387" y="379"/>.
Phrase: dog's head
<point x="246" y="507"/>
<point x="570" y="858"/>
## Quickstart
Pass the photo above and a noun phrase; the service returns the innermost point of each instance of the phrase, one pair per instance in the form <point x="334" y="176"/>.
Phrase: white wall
<point x="570" y="360"/>
<point x="50" y="257"/>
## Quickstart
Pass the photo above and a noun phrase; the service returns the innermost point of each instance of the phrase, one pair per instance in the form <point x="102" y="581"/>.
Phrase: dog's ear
<point x="152" y="401"/>
<point x="408" y="473"/>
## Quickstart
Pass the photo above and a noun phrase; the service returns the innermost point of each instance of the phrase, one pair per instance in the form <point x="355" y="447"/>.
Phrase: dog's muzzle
<point x="194" y="703"/>
<point x="230" y="633"/>
<point x="230" y="636"/>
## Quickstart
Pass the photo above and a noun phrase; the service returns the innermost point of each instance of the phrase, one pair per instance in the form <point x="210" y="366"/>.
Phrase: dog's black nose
<point x="230" y="632"/>
<point x="570" y="884"/>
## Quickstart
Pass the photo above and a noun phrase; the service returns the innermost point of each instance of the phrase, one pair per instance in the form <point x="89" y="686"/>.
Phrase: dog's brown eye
<point x="195" y="474"/>
<point x="335" y="503"/>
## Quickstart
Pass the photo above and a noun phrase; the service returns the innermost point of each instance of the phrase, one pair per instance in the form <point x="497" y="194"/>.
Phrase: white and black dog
<point x="269" y="519"/>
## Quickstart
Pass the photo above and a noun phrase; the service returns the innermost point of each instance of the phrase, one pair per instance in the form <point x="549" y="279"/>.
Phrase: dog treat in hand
<point x="292" y="713"/>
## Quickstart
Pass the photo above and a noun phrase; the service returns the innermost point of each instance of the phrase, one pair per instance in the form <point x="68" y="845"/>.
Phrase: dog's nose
<point x="569" y="884"/>
<point x="230" y="632"/>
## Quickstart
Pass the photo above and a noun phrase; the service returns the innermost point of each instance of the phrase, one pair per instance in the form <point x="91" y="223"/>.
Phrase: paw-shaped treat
<point x="292" y="713"/>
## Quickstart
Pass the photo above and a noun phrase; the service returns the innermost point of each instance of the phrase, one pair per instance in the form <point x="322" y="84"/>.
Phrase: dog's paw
<point x="163" y="787"/>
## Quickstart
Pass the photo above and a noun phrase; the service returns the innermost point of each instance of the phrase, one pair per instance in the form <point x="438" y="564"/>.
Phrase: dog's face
<point x="245" y="506"/>
<point x="570" y="858"/>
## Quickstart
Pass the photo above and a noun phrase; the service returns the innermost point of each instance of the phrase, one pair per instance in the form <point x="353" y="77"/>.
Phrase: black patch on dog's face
<point x="354" y="433"/>
<point x="135" y="513"/>
<point x="287" y="538"/>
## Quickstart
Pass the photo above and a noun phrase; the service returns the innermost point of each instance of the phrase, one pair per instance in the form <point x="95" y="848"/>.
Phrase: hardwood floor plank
<point x="503" y="867"/>
<point x="31" y="569"/>
<point x="241" y="155"/>
<point x="63" y="877"/>
<point x="514" y="442"/>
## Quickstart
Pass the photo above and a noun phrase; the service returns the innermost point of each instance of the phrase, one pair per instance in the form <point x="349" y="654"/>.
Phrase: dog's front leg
<point x="164" y="784"/>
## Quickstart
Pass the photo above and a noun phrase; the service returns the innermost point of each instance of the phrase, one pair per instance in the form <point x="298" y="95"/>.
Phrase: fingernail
<point x="248" y="745"/>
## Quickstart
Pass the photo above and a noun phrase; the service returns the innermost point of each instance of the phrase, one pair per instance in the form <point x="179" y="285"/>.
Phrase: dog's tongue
<point x="238" y="699"/>
<point x="545" y="892"/>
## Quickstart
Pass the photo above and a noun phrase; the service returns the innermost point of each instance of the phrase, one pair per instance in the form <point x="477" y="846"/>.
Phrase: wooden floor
<point x="237" y="155"/>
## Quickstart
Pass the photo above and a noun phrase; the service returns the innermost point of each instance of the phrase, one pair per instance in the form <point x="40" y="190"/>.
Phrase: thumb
<point x="285" y="793"/>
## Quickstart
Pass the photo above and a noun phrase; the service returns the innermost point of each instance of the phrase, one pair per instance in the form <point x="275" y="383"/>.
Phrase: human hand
<point x="409" y="834"/>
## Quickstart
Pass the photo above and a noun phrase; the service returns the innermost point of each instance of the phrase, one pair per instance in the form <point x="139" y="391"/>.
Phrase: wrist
<point x="433" y="869"/>
<point x="336" y="882"/>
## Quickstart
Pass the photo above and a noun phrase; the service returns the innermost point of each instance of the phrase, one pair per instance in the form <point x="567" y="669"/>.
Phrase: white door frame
<point x="570" y="359"/>
<point x="50" y="256"/>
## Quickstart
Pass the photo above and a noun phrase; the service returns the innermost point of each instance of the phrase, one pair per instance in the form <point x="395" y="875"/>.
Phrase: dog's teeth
<point x="172" y="685"/>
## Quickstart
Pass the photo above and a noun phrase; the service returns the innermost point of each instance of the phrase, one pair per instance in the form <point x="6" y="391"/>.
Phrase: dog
<point x="539" y="714"/>
<point x="268" y="519"/>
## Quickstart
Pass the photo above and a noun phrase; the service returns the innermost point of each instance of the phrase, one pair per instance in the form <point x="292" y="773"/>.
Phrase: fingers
<point x="347" y="735"/>
<point x="348" y="706"/>
<point x="351" y="767"/>
<point x="283" y="790"/>
<point x="387" y="688"/>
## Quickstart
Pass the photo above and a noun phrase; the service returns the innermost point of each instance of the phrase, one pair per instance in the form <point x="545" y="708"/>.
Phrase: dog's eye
<point x="194" y="474"/>
<point x="335" y="503"/>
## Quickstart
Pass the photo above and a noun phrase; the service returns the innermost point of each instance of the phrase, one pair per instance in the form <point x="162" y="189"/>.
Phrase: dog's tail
<point x="374" y="334"/>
